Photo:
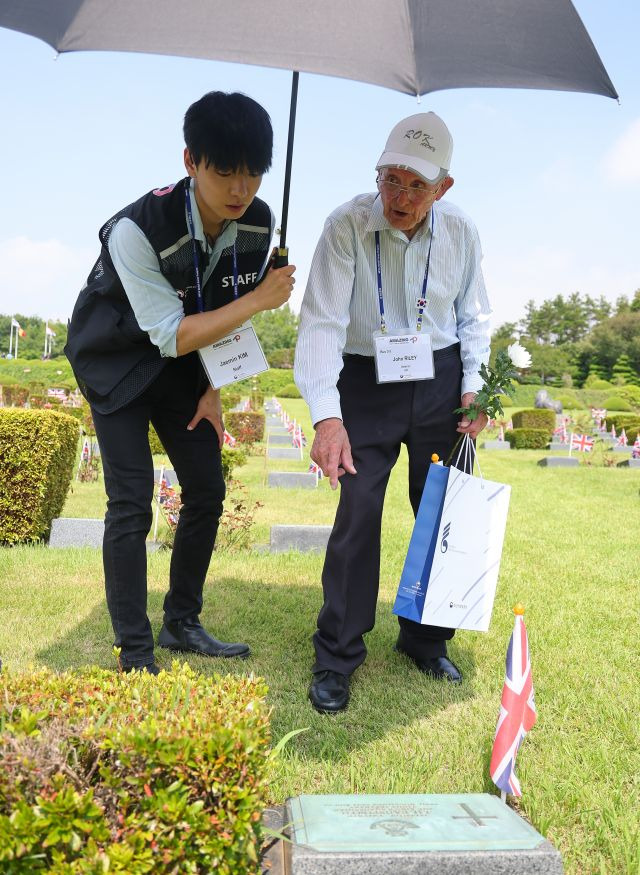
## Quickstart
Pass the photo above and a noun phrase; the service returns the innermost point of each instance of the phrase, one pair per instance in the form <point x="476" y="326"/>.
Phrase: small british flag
<point x="635" y="451"/>
<point x="517" y="710"/>
<point x="581" y="442"/>
<point x="228" y="439"/>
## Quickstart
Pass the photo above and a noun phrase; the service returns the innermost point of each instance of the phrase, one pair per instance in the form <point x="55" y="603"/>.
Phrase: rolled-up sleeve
<point x="154" y="301"/>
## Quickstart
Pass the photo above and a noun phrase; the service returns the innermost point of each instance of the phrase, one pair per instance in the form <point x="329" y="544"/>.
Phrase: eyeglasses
<point x="415" y="193"/>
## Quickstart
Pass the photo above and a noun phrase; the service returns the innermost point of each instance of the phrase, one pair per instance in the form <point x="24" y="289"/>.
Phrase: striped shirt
<point x="340" y="309"/>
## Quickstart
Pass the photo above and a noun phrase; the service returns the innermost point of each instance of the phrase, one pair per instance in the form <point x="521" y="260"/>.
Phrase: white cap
<point x="421" y="143"/>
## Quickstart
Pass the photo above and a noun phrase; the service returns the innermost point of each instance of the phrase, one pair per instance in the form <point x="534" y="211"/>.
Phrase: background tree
<point x="276" y="329"/>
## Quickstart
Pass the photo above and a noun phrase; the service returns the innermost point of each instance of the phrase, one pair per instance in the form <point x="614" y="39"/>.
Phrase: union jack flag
<point x="635" y="454"/>
<point x="581" y="442"/>
<point x="228" y="439"/>
<point x="623" y="440"/>
<point x="517" y="711"/>
<point x="317" y="470"/>
<point x="561" y="432"/>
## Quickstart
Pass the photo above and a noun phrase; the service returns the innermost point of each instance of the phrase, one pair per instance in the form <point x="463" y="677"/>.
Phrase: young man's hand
<point x="275" y="289"/>
<point x="210" y="408"/>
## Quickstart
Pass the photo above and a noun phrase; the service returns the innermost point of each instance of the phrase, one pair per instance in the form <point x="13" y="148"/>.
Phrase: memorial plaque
<point x="280" y="439"/>
<point x="559" y="462"/>
<point x="284" y="453"/>
<point x="446" y="833"/>
<point x="496" y="445"/>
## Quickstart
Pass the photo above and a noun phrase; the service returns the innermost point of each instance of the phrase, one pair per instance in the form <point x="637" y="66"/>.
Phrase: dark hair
<point x="230" y="131"/>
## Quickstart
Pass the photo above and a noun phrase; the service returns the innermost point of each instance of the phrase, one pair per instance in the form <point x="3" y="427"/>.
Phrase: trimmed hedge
<point x="101" y="772"/>
<point x="155" y="443"/>
<point x="622" y="420"/>
<point x="246" y="426"/>
<point x="37" y="454"/>
<point x="527" y="438"/>
<point x="568" y="401"/>
<point x="614" y="402"/>
<point x="232" y="459"/>
<point x="289" y="391"/>
<point x="534" y="418"/>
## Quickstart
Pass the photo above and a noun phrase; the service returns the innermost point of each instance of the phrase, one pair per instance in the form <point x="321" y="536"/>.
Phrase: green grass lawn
<point x="570" y="556"/>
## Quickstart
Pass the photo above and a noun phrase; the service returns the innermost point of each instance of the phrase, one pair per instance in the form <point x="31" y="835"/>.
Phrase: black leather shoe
<point x="439" y="667"/>
<point x="191" y="636"/>
<point x="149" y="668"/>
<point x="329" y="691"/>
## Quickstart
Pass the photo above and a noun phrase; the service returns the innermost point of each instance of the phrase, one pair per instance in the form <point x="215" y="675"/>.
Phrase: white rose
<point x="519" y="355"/>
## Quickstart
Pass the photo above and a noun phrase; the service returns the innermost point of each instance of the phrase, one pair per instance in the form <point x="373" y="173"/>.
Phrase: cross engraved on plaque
<point x="470" y="815"/>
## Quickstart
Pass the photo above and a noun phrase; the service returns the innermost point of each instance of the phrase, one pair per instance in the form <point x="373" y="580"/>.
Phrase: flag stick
<point x="503" y="797"/>
<point x="570" y="444"/>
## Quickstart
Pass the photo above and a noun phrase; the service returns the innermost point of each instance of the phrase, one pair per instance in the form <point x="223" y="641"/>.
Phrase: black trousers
<point x="378" y="419"/>
<point x="169" y="403"/>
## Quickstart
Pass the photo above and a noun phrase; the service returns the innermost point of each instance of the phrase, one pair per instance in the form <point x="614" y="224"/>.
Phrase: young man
<point x="398" y="261"/>
<point x="179" y="269"/>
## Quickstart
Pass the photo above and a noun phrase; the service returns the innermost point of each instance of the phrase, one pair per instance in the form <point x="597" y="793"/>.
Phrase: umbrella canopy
<point x="412" y="46"/>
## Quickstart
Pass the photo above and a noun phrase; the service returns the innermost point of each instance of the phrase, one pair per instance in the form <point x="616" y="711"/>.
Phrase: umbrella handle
<point x="281" y="257"/>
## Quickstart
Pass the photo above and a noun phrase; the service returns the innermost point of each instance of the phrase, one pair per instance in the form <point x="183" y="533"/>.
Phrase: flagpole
<point x="11" y="338"/>
<point x="570" y="444"/>
<point x="46" y="326"/>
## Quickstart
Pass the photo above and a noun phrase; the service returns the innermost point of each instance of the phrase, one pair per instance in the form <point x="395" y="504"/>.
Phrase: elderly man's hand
<point x="331" y="450"/>
<point x="472" y="427"/>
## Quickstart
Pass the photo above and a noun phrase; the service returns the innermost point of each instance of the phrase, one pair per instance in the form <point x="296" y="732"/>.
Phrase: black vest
<point x="112" y="358"/>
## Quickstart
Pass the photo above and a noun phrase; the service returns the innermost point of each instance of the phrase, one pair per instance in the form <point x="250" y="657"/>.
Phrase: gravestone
<point x="629" y="463"/>
<point x="621" y="449"/>
<point x="558" y="445"/>
<point x="282" y="453"/>
<point x="73" y="532"/>
<point x="280" y="438"/>
<point x="304" y="539"/>
<point x="292" y="480"/>
<point x="169" y="475"/>
<point x="496" y="445"/>
<point x="559" y="462"/>
<point x="447" y="834"/>
<point x="278" y="429"/>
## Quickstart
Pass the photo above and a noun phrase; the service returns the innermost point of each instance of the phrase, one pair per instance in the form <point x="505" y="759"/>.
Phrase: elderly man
<point x="393" y="330"/>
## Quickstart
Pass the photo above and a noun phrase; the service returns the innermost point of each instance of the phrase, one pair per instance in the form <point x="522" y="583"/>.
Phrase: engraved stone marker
<point x="496" y="445"/>
<point x="448" y="834"/>
<point x="284" y="453"/>
<point x="559" y="462"/>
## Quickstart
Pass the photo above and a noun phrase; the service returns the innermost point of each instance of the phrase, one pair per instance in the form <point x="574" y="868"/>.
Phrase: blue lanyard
<point x="422" y="300"/>
<point x="196" y="265"/>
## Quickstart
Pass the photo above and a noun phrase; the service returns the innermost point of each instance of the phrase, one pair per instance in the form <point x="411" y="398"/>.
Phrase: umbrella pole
<point x="282" y="257"/>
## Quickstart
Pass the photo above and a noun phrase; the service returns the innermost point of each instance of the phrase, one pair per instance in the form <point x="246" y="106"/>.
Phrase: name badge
<point x="402" y="358"/>
<point x="235" y="357"/>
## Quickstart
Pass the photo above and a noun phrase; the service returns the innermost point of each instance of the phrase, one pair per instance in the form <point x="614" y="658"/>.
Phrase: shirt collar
<point x="378" y="222"/>
<point x="229" y="229"/>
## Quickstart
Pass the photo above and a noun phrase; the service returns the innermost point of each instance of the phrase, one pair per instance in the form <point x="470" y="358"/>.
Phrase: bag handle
<point x="470" y="456"/>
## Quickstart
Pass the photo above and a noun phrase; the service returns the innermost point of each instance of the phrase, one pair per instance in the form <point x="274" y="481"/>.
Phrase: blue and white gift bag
<point x="451" y="570"/>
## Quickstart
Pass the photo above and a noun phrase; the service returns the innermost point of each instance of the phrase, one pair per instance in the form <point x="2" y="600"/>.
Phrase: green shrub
<point x="155" y="443"/>
<point x="282" y="358"/>
<point x="506" y="401"/>
<point x="594" y="382"/>
<point x="615" y="402"/>
<point x="246" y="426"/>
<point x="229" y="398"/>
<point x="622" y="420"/>
<point x="289" y="391"/>
<point x="534" y="418"/>
<point x="101" y="772"/>
<point x="270" y="382"/>
<point x="630" y="394"/>
<point x="256" y="400"/>
<point x="37" y="453"/>
<point x="527" y="438"/>
<point x="568" y="400"/>
<point x="231" y="459"/>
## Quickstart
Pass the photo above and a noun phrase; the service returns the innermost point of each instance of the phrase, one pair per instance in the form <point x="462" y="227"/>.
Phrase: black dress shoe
<point x="149" y="668"/>
<point x="329" y="691"/>
<point x="191" y="636"/>
<point x="439" y="667"/>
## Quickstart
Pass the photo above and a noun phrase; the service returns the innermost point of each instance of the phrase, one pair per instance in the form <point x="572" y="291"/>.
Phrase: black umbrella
<point x="411" y="46"/>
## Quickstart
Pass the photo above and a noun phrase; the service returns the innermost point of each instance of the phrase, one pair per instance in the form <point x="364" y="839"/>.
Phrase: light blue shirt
<point x="340" y="309"/>
<point x="154" y="301"/>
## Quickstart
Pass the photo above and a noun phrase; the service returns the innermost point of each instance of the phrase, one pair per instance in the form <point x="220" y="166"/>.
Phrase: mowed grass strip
<point x="570" y="556"/>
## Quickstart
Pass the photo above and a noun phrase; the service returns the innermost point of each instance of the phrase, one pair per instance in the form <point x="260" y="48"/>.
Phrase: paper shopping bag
<point x="453" y="561"/>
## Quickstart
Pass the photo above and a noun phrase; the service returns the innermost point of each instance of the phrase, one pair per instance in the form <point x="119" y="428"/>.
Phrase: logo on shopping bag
<point x="444" y="544"/>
